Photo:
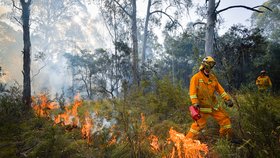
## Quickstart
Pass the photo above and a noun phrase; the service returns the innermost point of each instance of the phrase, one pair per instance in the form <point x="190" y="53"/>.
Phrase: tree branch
<point x="107" y="27"/>
<point x="45" y="64"/>
<point x="18" y="21"/>
<point x="168" y="7"/>
<point x="122" y="8"/>
<point x="199" y="23"/>
<point x="170" y="17"/>
<point x="258" y="6"/>
<point x="154" y="3"/>
<point x="14" y="5"/>
<point x="242" y="6"/>
<point x="217" y="4"/>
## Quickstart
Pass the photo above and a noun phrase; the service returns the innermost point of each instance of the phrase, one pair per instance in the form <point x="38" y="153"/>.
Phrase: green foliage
<point x="161" y="129"/>
<point x="260" y="120"/>
<point x="135" y="118"/>
<point x="273" y="65"/>
<point x="256" y="122"/>
<point x="12" y="113"/>
<point x="87" y="67"/>
<point x="182" y="53"/>
<point x="224" y="148"/>
<point x="269" y="20"/>
<point x="239" y="52"/>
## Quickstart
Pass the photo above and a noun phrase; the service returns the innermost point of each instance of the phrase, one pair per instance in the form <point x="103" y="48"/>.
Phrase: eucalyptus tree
<point x="51" y="19"/>
<point x="83" y="69"/>
<point x="242" y="54"/>
<point x="156" y="10"/>
<point x="94" y="71"/>
<point x="116" y="12"/>
<point x="53" y="29"/>
<point x="58" y="26"/>
<point x="129" y="8"/>
<point x="182" y="53"/>
<point x="25" y="23"/>
<point x="269" y="21"/>
<point x="117" y="24"/>
<point x="212" y="13"/>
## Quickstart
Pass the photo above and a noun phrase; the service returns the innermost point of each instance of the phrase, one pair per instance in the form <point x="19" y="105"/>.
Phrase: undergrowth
<point x="133" y="119"/>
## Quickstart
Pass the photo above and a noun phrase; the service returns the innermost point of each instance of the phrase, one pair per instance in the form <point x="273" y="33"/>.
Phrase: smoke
<point x="52" y="77"/>
<point x="53" y="38"/>
<point x="10" y="54"/>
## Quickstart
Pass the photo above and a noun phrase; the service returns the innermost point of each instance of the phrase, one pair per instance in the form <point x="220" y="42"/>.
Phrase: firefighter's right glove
<point x="229" y="103"/>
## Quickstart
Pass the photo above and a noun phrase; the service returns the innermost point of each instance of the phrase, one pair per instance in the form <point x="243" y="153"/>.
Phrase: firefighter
<point x="263" y="82"/>
<point x="203" y="88"/>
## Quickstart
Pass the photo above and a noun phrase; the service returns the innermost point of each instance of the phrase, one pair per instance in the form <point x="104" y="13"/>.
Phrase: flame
<point x="42" y="106"/>
<point x="113" y="140"/>
<point x="186" y="147"/>
<point x="69" y="117"/>
<point x="74" y="112"/>
<point x="143" y="125"/>
<point x="86" y="128"/>
<point x="112" y="135"/>
<point x="154" y="143"/>
<point x="183" y="147"/>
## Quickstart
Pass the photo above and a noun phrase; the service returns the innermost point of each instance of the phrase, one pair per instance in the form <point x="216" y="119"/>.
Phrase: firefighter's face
<point x="209" y="66"/>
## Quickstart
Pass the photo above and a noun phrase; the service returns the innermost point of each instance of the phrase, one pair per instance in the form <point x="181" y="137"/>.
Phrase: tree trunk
<point x="26" y="52"/>
<point x="146" y="32"/>
<point x="211" y="18"/>
<point x="136" y="80"/>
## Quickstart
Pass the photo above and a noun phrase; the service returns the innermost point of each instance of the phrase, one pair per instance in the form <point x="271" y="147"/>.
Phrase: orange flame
<point x="186" y="147"/>
<point x="86" y="128"/>
<point x="113" y="140"/>
<point x="154" y="143"/>
<point x="42" y="106"/>
<point x="143" y="125"/>
<point x="74" y="112"/>
<point x="113" y="134"/>
<point x="70" y="116"/>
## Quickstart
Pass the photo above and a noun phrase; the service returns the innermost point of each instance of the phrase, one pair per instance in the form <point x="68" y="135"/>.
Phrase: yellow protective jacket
<point x="202" y="91"/>
<point x="263" y="82"/>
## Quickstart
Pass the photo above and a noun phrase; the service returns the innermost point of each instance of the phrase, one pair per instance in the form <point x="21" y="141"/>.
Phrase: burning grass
<point x="182" y="147"/>
<point x="140" y="126"/>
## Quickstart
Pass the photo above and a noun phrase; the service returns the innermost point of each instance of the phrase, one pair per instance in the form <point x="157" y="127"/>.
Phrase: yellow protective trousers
<point x="219" y="115"/>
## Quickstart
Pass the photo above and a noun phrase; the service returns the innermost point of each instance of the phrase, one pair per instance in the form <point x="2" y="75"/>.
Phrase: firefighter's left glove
<point x="229" y="103"/>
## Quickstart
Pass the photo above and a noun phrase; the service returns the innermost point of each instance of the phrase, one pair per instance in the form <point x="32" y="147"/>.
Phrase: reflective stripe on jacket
<point x="202" y="90"/>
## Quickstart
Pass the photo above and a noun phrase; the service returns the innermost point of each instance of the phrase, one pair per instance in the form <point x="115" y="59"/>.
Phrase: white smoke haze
<point x="53" y="77"/>
<point x="78" y="30"/>
<point x="10" y="54"/>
